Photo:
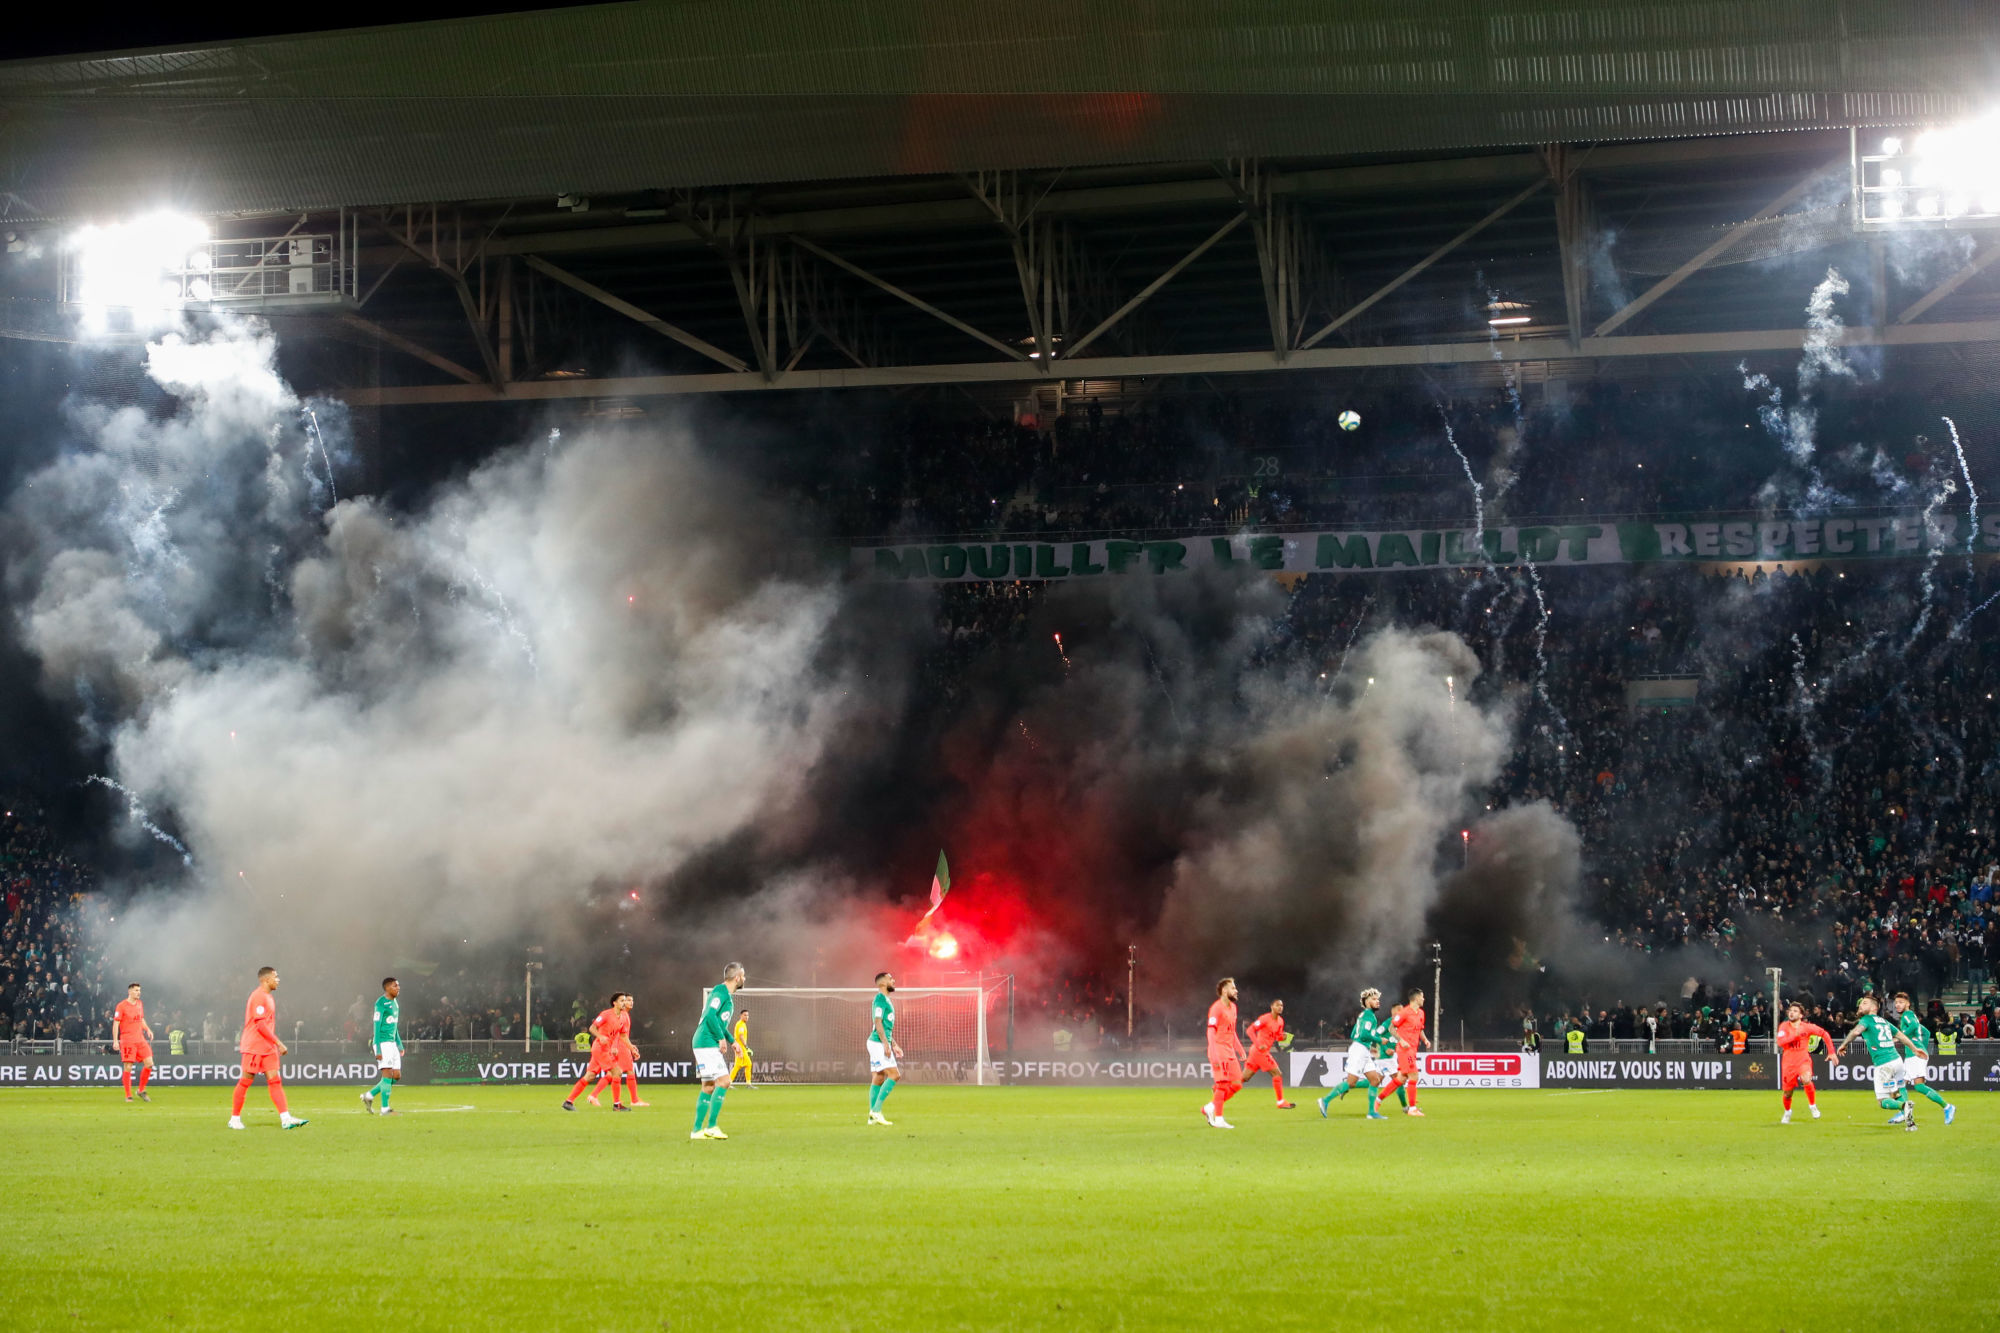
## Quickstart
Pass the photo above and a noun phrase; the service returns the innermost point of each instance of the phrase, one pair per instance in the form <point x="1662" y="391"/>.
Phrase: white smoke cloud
<point x="1323" y="850"/>
<point x="377" y="729"/>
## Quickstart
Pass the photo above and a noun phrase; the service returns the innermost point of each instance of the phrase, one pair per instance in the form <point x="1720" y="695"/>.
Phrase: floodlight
<point x="1943" y="175"/>
<point x="139" y="265"/>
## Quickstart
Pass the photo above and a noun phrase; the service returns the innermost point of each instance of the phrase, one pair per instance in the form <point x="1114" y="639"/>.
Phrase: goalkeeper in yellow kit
<point x="741" y="1036"/>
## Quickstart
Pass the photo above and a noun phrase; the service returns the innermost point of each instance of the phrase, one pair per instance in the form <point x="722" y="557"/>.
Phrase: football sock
<point x="632" y="1088"/>
<point x="128" y="1080"/>
<point x="1402" y="1093"/>
<point x="889" y="1086"/>
<point x="701" y="1112"/>
<point x="1788" y="1101"/>
<point x="874" y="1098"/>
<point x="276" y="1087"/>
<point x="242" y="1088"/>
<point x="145" y="1076"/>
<point x="1810" y="1099"/>
<point x="1924" y="1088"/>
<point x="577" y="1091"/>
<point x="386" y="1086"/>
<point x="1278" y="1086"/>
<point x="601" y="1081"/>
<point x="1413" y="1092"/>
<point x="715" y="1105"/>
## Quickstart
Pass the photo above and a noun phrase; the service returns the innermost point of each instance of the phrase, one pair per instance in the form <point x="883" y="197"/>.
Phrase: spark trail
<point x="1972" y="492"/>
<point x="137" y="810"/>
<point x="1478" y="491"/>
<point x="1346" y="652"/>
<point x="1804" y="707"/>
<point x="1936" y="552"/>
<point x="312" y="422"/>
<point x="1542" y="663"/>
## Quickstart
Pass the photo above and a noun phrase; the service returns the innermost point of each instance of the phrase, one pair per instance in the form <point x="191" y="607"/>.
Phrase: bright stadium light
<point x="1945" y="176"/>
<point x="151" y="265"/>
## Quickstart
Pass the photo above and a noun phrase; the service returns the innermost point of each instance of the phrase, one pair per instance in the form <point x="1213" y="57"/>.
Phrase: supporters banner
<point x="1441" y="1069"/>
<point x="1718" y="538"/>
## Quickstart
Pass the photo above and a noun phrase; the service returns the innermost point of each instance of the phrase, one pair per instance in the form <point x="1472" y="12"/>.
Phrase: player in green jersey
<point x="883" y="1052"/>
<point x="712" y="1052"/>
<point x="388" y="1044"/>
<point x="1916" y="1065"/>
<point x="1881" y="1038"/>
<point x="1365" y="1042"/>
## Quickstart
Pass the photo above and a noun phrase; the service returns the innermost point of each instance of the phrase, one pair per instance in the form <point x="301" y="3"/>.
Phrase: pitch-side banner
<point x="1441" y="1069"/>
<point x="1714" y="538"/>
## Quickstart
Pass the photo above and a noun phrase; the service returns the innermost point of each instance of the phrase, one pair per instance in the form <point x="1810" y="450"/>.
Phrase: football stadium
<point x="903" y="664"/>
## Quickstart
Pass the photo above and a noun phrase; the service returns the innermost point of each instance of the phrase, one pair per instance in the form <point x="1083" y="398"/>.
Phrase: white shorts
<point x="389" y="1056"/>
<point x="880" y="1057"/>
<point x="1915" y="1067"/>
<point x="709" y="1066"/>
<point x="1385" y="1065"/>
<point x="1360" y="1060"/>
<point x="1888" y="1079"/>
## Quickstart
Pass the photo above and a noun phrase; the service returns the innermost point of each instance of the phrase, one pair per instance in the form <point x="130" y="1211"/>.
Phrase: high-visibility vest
<point x="1575" y="1040"/>
<point x="1947" y="1040"/>
<point x="1737" y="1038"/>
<point x="581" y="1042"/>
<point x="174" y="1039"/>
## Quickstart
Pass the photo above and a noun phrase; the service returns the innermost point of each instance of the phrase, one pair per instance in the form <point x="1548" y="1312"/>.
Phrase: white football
<point x="1350" y="420"/>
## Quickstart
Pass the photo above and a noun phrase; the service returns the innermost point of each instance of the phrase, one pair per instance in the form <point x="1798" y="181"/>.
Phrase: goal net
<point x="819" y="1034"/>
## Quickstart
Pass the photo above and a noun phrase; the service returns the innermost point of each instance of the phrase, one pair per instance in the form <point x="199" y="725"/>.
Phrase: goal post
<point x="819" y="1034"/>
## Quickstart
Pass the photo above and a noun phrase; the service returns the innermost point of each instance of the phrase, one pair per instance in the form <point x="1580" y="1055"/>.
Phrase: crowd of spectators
<point x="51" y="972"/>
<point x="1218" y="462"/>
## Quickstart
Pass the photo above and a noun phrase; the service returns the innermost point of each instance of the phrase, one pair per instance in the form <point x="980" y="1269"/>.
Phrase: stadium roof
<point x="811" y="194"/>
<point x="669" y="93"/>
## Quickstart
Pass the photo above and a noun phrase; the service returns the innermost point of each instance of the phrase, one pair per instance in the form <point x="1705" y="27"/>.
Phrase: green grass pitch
<point x="491" y="1208"/>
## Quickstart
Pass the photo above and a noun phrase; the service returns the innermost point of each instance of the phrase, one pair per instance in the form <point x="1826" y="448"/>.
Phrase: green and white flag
<point x="940" y="886"/>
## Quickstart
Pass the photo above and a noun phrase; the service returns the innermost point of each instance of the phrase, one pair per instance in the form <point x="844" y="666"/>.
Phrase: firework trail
<point x="137" y="810"/>
<point x="1972" y="491"/>
<point x="1958" y="630"/>
<point x="1478" y="491"/>
<point x="1542" y="663"/>
<point x="1935" y="553"/>
<point x="1478" y="517"/>
<point x="1158" y="676"/>
<point x="1065" y="654"/>
<point x="312" y="424"/>
<point x="501" y="615"/>
<point x="1359" y="621"/>
<point x="1803" y="707"/>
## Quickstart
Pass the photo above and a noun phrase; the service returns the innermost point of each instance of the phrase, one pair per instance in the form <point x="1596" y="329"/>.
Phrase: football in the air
<point x="1350" y="420"/>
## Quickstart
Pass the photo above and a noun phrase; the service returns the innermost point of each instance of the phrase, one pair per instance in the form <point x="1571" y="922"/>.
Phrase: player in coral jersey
<point x="1795" y="1068"/>
<point x="608" y="1031"/>
<point x="1225" y="1051"/>
<point x="135" y="1041"/>
<point x="262" y="1050"/>
<point x="626" y="1060"/>
<point x="1407" y="1023"/>
<point x="1268" y="1031"/>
